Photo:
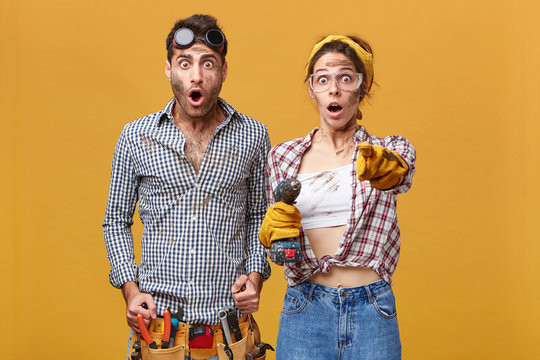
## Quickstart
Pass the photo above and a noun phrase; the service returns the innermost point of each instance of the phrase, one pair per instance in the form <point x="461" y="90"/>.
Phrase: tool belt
<point x="239" y="349"/>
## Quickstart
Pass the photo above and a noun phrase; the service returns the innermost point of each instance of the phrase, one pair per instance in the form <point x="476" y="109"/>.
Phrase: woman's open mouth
<point x="334" y="108"/>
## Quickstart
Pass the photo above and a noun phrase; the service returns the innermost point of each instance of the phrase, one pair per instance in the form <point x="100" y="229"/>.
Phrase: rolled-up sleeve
<point x="407" y="152"/>
<point x="119" y="215"/>
<point x="256" y="204"/>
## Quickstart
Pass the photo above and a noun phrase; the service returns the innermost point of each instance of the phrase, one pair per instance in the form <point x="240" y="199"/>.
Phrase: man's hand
<point x="383" y="168"/>
<point x="134" y="300"/>
<point x="280" y="222"/>
<point x="247" y="300"/>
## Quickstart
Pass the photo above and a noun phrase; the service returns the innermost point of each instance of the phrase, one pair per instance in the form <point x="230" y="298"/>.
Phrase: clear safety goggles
<point x="345" y="80"/>
<point x="184" y="38"/>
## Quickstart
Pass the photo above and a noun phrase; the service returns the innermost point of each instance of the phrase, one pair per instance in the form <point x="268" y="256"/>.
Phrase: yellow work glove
<point x="383" y="168"/>
<point x="280" y="222"/>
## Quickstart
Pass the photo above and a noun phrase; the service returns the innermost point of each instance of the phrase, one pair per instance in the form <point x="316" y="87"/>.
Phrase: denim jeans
<point x="321" y="322"/>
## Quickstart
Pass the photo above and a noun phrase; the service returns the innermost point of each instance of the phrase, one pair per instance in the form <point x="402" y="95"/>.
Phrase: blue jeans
<point x="321" y="322"/>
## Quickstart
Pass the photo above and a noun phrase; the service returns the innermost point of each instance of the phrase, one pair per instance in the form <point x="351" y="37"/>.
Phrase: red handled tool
<point x="166" y="327"/>
<point x="174" y="323"/>
<point x="242" y="289"/>
<point x="144" y="332"/>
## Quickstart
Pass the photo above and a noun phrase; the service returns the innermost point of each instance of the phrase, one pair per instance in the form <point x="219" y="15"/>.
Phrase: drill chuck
<point x="287" y="191"/>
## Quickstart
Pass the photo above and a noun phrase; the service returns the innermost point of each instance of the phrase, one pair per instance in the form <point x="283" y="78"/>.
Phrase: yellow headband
<point x="366" y="57"/>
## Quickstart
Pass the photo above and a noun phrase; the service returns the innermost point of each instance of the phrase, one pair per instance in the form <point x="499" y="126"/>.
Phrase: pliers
<point x="144" y="332"/>
<point x="171" y="323"/>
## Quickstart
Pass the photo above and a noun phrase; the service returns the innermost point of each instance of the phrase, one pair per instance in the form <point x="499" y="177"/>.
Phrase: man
<point x="196" y="169"/>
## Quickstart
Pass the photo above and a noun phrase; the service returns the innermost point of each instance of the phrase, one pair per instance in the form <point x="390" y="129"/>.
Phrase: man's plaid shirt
<point x="372" y="236"/>
<point x="200" y="230"/>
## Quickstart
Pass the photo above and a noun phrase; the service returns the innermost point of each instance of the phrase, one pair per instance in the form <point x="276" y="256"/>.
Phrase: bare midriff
<point x="325" y="241"/>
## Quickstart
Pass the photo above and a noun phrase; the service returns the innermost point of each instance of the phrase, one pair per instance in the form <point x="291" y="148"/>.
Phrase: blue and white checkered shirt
<point x="200" y="230"/>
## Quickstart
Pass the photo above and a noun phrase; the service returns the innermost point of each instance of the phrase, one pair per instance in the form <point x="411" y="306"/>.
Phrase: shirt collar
<point x="359" y="136"/>
<point x="166" y="113"/>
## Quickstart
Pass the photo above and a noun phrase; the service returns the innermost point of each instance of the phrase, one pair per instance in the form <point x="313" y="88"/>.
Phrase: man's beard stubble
<point x="209" y="101"/>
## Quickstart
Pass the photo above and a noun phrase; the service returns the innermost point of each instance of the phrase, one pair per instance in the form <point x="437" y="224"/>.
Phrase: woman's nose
<point x="334" y="89"/>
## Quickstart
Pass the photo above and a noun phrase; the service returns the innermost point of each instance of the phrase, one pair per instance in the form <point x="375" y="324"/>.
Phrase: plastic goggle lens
<point x="215" y="37"/>
<point x="345" y="81"/>
<point x="184" y="38"/>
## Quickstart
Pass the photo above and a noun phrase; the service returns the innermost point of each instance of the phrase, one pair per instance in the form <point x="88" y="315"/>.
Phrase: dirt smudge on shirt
<point x="231" y="152"/>
<point x="205" y="202"/>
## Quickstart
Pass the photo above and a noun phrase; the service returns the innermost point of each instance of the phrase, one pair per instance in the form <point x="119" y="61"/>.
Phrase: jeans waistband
<point x="311" y="289"/>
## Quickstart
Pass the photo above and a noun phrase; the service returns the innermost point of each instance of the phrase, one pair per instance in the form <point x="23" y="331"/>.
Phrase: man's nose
<point x="196" y="74"/>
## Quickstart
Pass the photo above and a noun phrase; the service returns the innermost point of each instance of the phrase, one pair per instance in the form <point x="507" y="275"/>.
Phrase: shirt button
<point x="197" y="185"/>
<point x="190" y="282"/>
<point x="192" y="251"/>
<point x="194" y="218"/>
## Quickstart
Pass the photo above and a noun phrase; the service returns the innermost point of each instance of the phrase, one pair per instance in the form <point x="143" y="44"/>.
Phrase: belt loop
<point x="311" y="290"/>
<point x="370" y="297"/>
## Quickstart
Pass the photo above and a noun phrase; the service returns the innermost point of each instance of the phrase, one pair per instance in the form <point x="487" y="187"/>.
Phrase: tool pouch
<point x="239" y="349"/>
<point x="177" y="352"/>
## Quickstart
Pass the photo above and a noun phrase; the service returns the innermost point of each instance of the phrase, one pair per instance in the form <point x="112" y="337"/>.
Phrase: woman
<point x="339" y="303"/>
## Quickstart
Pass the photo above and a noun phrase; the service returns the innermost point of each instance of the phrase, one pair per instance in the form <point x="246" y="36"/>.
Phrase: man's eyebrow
<point x="190" y="57"/>
<point x="207" y="56"/>
<point x="184" y="56"/>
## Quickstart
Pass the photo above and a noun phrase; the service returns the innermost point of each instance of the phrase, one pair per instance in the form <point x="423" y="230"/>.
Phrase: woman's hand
<point x="383" y="168"/>
<point x="280" y="222"/>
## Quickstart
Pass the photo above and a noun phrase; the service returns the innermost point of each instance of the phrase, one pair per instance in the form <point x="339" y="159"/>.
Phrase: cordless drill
<point x="289" y="249"/>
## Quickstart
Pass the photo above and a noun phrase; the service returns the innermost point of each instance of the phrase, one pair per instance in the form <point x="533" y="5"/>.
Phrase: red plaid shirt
<point x="372" y="237"/>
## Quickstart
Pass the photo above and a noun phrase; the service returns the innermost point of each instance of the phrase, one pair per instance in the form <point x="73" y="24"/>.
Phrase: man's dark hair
<point x="199" y="24"/>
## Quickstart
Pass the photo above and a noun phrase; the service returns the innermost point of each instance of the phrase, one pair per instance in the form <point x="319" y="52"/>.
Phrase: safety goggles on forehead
<point x="184" y="38"/>
<point x="345" y="80"/>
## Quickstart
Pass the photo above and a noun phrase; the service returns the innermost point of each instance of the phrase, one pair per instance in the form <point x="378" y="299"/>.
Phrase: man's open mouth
<point x="195" y="96"/>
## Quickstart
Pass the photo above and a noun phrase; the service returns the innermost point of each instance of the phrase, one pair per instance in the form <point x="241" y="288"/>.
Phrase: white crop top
<point x="325" y="198"/>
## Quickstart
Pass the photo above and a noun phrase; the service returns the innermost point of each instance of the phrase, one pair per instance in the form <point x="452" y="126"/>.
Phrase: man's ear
<point x="224" y="72"/>
<point x="168" y="70"/>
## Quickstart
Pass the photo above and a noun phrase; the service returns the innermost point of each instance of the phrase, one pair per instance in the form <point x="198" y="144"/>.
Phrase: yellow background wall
<point x="459" y="78"/>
